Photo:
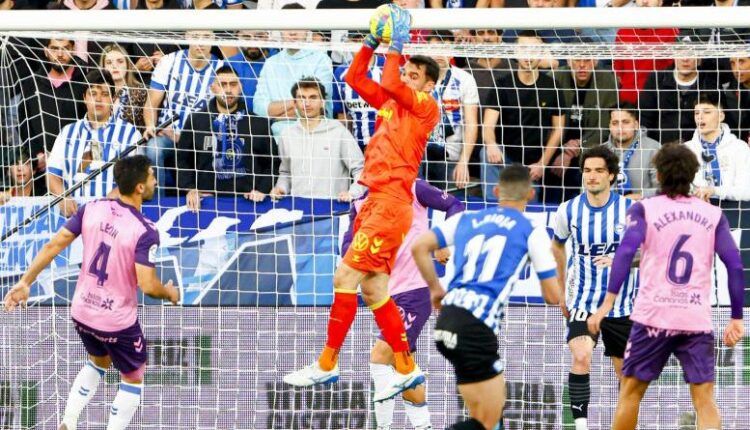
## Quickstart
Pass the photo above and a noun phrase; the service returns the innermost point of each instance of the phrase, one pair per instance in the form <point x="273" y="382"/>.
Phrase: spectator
<point x="247" y="62"/>
<point x="180" y="84"/>
<point x="319" y="157"/>
<point x="349" y="107"/>
<point x="737" y="94"/>
<point x="50" y="99"/>
<point x="632" y="73"/>
<point x="223" y="150"/>
<point x="452" y="142"/>
<point x="129" y="92"/>
<point x="145" y="56"/>
<point x="282" y="71"/>
<point x="524" y="117"/>
<point x="22" y="181"/>
<point x="637" y="177"/>
<point x="668" y="99"/>
<point x="600" y="35"/>
<point x="88" y="143"/>
<point x="723" y="158"/>
<point x="455" y="4"/>
<point x="588" y="93"/>
<point x="487" y="71"/>
<point x="83" y="49"/>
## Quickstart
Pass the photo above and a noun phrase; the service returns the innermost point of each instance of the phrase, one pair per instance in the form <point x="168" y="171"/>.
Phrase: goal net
<point x="256" y="272"/>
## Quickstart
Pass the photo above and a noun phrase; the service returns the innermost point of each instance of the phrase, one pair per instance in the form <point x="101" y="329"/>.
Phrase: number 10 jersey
<point x="493" y="247"/>
<point x="115" y="237"/>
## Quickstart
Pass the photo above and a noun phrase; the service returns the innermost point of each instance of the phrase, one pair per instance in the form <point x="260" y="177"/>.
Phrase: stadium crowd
<point x="264" y="123"/>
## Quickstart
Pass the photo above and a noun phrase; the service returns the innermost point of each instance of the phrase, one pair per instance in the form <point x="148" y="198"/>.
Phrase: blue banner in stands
<point x="238" y="253"/>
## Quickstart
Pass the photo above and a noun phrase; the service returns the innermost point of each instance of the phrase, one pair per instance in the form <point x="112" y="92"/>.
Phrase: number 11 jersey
<point x="116" y="237"/>
<point x="493" y="247"/>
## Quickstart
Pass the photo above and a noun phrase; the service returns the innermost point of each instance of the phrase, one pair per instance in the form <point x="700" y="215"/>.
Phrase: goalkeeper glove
<point x="401" y="27"/>
<point x="371" y="42"/>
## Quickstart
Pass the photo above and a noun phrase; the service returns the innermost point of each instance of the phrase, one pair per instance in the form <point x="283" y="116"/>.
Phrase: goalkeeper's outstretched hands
<point x="401" y="27"/>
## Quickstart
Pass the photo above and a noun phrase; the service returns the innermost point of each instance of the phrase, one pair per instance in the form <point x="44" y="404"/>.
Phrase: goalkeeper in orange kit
<point x="407" y="114"/>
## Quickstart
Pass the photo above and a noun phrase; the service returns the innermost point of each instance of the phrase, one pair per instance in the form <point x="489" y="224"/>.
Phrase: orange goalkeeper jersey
<point x="405" y="120"/>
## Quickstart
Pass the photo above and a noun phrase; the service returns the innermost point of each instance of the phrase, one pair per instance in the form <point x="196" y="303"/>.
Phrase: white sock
<point x="582" y="424"/>
<point x="126" y="402"/>
<point x="83" y="389"/>
<point x="381" y="374"/>
<point x="419" y="415"/>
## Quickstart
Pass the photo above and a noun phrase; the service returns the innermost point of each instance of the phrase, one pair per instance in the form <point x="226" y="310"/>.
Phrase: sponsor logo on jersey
<point x="385" y="113"/>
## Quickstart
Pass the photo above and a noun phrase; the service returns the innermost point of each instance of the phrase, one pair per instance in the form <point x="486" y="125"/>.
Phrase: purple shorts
<point x="649" y="348"/>
<point x="415" y="308"/>
<point x="126" y="348"/>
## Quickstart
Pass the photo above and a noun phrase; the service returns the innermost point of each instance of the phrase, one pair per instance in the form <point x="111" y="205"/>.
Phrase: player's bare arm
<point x="151" y="285"/>
<point x="422" y="253"/>
<point x="558" y="251"/>
<point x="20" y="292"/>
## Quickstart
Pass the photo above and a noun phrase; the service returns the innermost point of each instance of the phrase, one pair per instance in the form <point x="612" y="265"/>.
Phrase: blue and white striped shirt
<point x="493" y="247"/>
<point x="78" y="142"/>
<point x="346" y="100"/>
<point x="594" y="232"/>
<point x="186" y="89"/>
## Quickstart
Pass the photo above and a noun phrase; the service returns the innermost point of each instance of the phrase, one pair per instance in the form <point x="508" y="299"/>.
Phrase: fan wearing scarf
<point x="723" y="158"/>
<point x="223" y="150"/>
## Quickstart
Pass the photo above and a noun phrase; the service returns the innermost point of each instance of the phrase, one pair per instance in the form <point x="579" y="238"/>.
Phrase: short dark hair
<point x="101" y="77"/>
<point x="308" y="82"/>
<point x="712" y="98"/>
<point x="131" y="171"/>
<point x="226" y="68"/>
<point x="442" y="35"/>
<point x="292" y="6"/>
<point x="528" y="33"/>
<point x="610" y="159"/>
<point x="629" y="108"/>
<point x="431" y="68"/>
<point x="676" y="166"/>
<point x="514" y="182"/>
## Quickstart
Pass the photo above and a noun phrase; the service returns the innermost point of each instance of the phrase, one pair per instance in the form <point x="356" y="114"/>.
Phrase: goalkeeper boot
<point x="312" y="375"/>
<point x="399" y="383"/>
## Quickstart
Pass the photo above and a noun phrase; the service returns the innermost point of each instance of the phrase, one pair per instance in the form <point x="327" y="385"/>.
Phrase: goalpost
<point x="257" y="277"/>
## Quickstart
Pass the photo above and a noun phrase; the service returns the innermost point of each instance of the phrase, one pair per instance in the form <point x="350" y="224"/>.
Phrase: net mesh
<point x="256" y="277"/>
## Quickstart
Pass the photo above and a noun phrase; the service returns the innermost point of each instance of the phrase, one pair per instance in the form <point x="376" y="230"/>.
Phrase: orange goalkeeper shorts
<point x="379" y="230"/>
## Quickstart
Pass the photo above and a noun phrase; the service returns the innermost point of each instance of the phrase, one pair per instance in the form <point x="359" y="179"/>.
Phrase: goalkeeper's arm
<point x="357" y="77"/>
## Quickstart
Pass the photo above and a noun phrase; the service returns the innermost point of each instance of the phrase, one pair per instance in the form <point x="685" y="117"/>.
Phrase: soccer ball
<point x="381" y="23"/>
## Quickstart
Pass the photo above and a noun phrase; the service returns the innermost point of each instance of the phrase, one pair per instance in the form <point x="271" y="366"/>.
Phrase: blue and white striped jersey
<point x="186" y="89"/>
<point x="80" y="149"/>
<point x="456" y="89"/>
<point x="346" y="100"/>
<point x="594" y="232"/>
<point x="493" y="247"/>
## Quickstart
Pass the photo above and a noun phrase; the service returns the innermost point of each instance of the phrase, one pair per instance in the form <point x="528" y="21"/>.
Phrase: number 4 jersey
<point x="116" y="237"/>
<point x="678" y="239"/>
<point x="493" y="247"/>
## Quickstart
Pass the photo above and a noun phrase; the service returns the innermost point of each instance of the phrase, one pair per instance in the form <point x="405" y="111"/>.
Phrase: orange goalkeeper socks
<point x="343" y="311"/>
<point x="392" y="327"/>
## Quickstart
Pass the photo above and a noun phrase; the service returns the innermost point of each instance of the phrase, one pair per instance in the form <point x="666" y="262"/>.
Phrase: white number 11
<point x="476" y="247"/>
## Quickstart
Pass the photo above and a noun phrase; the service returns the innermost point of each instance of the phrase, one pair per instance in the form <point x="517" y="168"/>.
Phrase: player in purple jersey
<point x="119" y="249"/>
<point x="412" y="297"/>
<point x="678" y="235"/>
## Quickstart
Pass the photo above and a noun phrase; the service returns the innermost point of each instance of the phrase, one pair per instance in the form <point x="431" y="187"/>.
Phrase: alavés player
<point x="119" y="248"/>
<point x="412" y="297"/>
<point x="593" y="223"/>
<point x="492" y="248"/>
<point x="678" y="236"/>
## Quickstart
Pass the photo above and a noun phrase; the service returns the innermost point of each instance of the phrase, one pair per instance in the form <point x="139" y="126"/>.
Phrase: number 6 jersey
<point x="493" y="247"/>
<point x="678" y="238"/>
<point x="116" y="237"/>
